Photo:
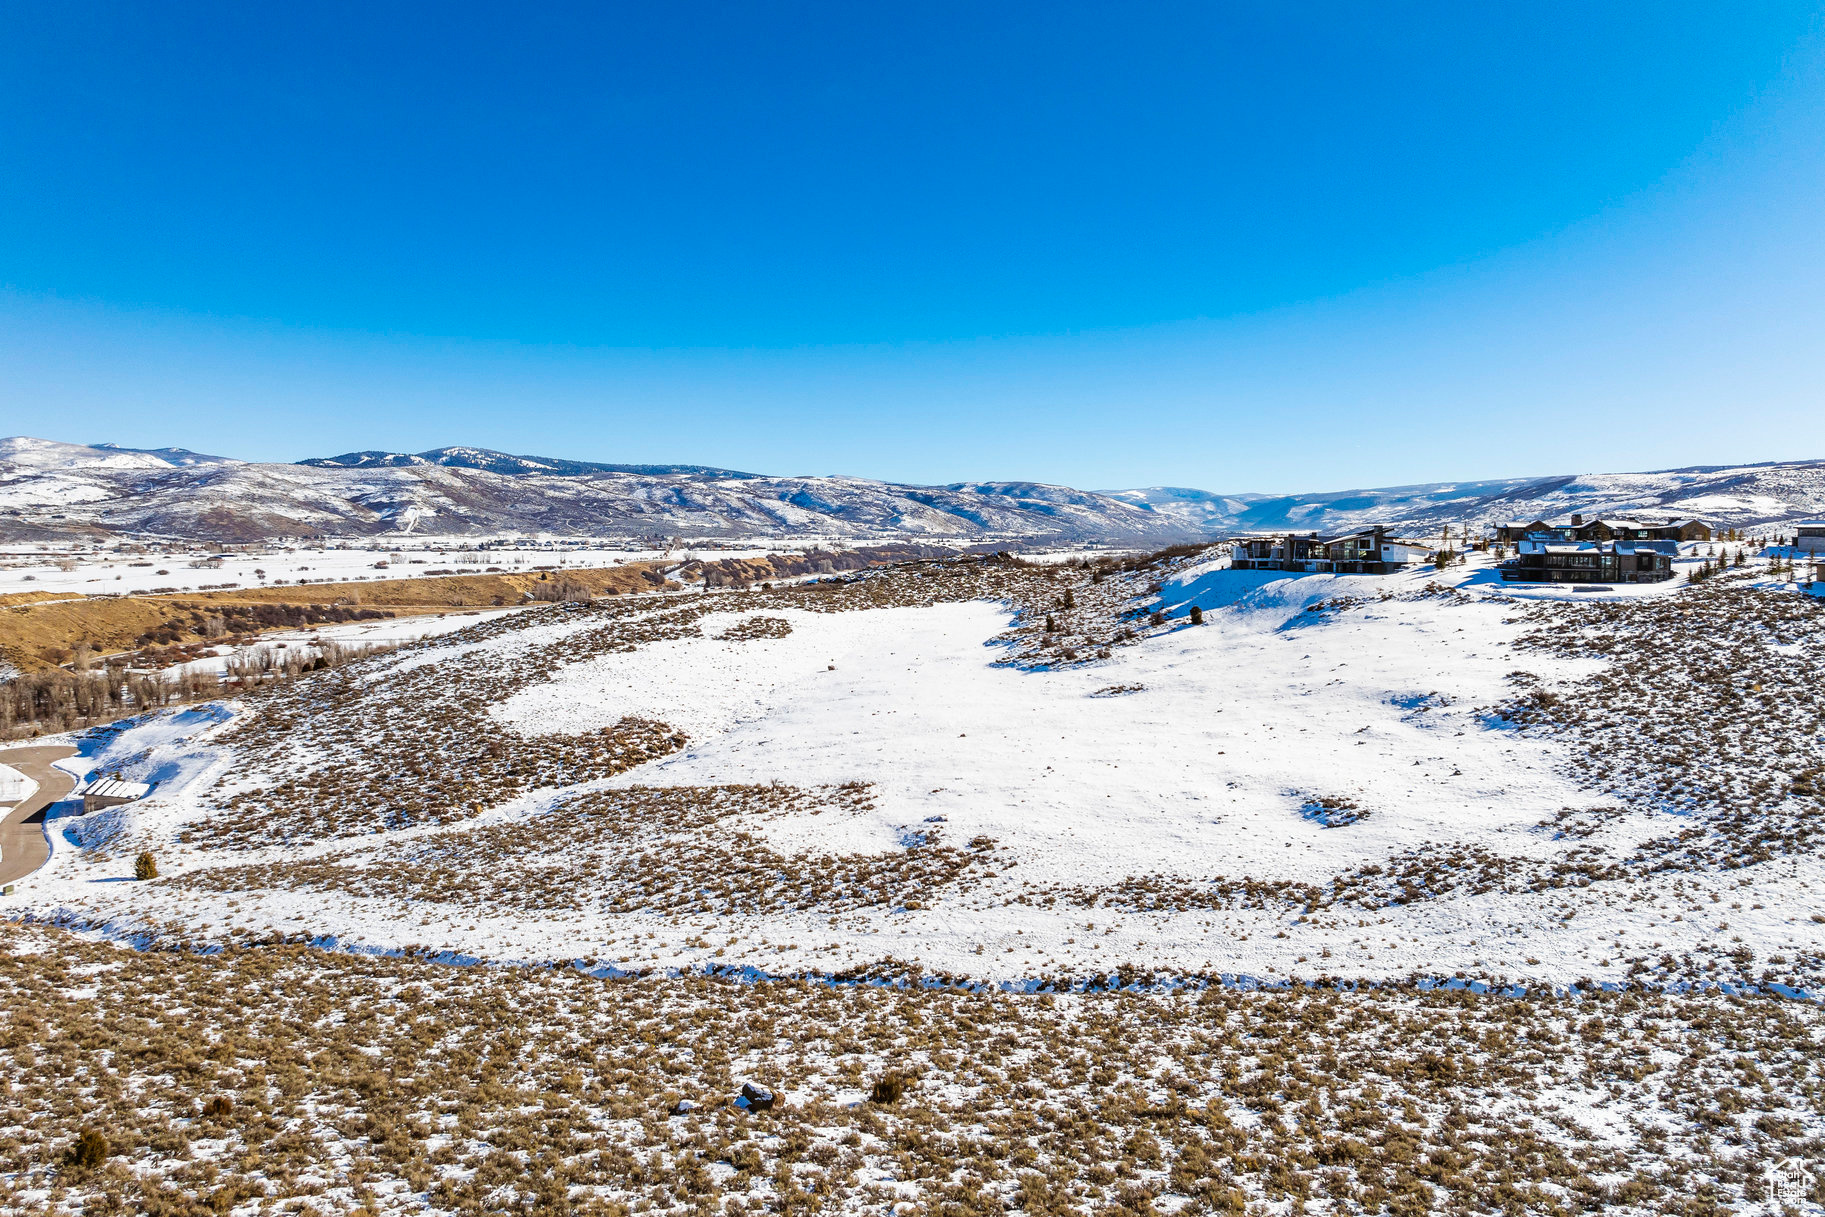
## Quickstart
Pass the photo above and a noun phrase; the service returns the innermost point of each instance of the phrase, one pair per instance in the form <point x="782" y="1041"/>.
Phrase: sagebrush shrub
<point x="89" y="1150"/>
<point x="888" y="1088"/>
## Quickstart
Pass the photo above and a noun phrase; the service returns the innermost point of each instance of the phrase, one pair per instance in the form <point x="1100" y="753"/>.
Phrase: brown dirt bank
<point x="35" y="636"/>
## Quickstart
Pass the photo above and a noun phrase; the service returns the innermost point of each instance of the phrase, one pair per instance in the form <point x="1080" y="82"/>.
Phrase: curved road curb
<point x="23" y="847"/>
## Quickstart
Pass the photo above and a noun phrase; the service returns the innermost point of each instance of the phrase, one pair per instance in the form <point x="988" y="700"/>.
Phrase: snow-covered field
<point x="94" y="571"/>
<point x="358" y="636"/>
<point x="1172" y="807"/>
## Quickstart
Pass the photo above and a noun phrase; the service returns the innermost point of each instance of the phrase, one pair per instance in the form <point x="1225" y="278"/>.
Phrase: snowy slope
<point x="1200" y="755"/>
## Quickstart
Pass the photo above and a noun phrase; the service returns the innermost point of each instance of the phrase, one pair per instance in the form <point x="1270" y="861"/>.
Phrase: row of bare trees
<point x="45" y="703"/>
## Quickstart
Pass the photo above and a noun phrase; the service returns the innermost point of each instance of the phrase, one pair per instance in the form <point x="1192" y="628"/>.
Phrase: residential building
<point x="1510" y="533"/>
<point x="1368" y="551"/>
<point x="112" y="792"/>
<point x="1619" y="528"/>
<point x="1809" y="536"/>
<point x="1602" y="528"/>
<point x="1546" y="559"/>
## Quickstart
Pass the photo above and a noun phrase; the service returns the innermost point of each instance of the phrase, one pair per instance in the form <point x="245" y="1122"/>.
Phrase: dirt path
<point x="22" y="845"/>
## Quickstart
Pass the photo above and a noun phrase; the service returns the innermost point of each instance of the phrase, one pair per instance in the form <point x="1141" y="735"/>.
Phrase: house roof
<point x="114" y="788"/>
<point x="1602" y="547"/>
<point x="1637" y="522"/>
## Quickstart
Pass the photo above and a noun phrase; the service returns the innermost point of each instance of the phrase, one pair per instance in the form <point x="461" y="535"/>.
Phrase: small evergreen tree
<point x="145" y="866"/>
<point x="1051" y="625"/>
<point x="1197" y="615"/>
<point x="1070" y="600"/>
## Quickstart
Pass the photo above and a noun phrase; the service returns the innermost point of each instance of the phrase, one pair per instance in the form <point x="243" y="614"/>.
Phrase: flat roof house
<point x="1606" y="528"/>
<point x="1550" y="560"/>
<point x="112" y="792"/>
<point x="1809" y="536"/>
<point x="1367" y="551"/>
<point x="1619" y="528"/>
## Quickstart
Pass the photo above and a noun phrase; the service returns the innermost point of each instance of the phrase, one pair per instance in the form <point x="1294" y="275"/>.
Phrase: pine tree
<point x="145" y="866"/>
<point x="1070" y="600"/>
<point x="1197" y="615"/>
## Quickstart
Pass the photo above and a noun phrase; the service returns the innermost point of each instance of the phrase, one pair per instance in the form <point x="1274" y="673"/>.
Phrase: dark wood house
<point x="1618" y="528"/>
<point x="1368" y="551"/>
<point x="1552" y="560"/>
<point x="1602" y="528"/>
<point x="1511" y="533"/>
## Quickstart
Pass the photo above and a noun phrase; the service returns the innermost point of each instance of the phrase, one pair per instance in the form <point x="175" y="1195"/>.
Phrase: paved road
<point x="22" y="844"/>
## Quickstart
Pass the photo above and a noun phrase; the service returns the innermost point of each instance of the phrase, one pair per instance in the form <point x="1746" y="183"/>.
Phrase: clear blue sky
<point x="1244" y="247"/>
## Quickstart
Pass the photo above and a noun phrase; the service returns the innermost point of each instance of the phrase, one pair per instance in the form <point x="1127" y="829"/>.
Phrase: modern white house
<point x="1809" y="536"/>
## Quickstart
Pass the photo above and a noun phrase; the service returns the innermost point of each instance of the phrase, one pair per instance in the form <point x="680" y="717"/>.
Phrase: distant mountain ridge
<point x="490" y="461"/>
<point x="1733" y="495"/>
<point x="51" y="490"/>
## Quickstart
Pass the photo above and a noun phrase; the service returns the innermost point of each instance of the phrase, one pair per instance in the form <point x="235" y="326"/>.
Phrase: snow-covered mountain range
<point x="51" y="490"/>
<point x="1731" y="495"/>
<point x="458" y="457"/>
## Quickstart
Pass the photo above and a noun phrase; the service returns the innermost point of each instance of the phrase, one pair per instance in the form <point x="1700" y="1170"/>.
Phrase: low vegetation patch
<point x="296" y="1080"/>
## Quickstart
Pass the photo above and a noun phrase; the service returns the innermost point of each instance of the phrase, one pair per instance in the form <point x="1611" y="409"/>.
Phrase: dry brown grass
<point x="671" y="850"/>
<point x="11" y="598"/>
<point x="36" y="634"/>
<point x="297" y="1080"/>
<point x="1710" y="698"/>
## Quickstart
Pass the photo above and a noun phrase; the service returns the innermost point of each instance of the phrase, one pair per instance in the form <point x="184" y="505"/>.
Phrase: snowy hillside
<point x="958" y="765"/>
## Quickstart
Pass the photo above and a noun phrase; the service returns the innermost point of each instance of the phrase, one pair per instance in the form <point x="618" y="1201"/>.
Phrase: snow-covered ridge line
<point x="1730" y="495"/>
<point x="51" y="490"/>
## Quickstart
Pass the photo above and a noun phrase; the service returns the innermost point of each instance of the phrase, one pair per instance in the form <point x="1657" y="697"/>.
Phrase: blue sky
<point x="1244" y="247"/>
